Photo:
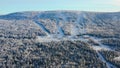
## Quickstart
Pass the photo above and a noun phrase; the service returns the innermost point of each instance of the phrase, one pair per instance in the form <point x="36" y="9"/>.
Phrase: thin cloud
<point x="115" y="3"/>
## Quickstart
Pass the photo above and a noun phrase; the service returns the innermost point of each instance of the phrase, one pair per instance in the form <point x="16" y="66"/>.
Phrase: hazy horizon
<point x="7" y="6"/>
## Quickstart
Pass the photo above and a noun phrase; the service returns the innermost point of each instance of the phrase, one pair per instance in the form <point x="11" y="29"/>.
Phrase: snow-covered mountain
<point x="60" y="39"/>
<point x="64" y="23"/>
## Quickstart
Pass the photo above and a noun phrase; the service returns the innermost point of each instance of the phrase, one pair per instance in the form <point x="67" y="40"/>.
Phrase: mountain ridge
<point x="70" y="22"/>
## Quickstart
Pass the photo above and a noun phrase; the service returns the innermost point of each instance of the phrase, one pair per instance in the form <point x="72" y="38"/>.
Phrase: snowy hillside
<point x="66" y="22"/>
<point x="56" y="39"/>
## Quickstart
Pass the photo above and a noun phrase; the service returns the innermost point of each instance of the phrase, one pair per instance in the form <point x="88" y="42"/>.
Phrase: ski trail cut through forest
<point x="42" y="27"/>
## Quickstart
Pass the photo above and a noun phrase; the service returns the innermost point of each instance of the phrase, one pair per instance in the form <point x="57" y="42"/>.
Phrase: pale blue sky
<point x="8" y="6"/>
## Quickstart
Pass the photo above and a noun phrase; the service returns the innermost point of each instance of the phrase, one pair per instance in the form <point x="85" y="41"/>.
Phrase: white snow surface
<point x="59" y="37"/>
<point x="46" y="39"/>
<point x="101" y="46"/>
<point x="98" y="48"/>
<point x="117" y="58"/>
<point x="109" y="65"/>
